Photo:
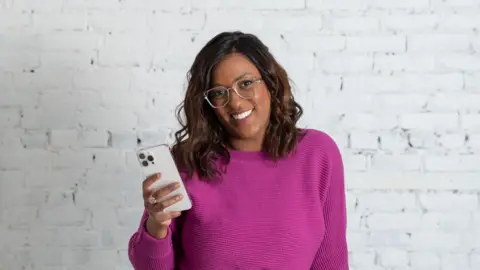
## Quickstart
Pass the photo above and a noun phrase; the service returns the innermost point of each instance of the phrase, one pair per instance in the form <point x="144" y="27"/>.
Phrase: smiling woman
<point x="265" y="194"/>
<point x="244" y="114"/>
<point x="234" y="73"/>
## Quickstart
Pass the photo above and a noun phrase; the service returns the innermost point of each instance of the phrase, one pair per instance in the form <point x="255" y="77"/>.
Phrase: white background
<point x="395" y="82"/>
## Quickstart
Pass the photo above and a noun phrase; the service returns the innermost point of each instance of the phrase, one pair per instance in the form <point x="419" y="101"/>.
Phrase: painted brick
<point x="363" y="140"/>
<point x="425" y="260"/>
<point x="72" y="21"/>
<point x="452" y="163"/>
<point x="394" y="221"/>
<point x="404" y="62"/>
<point x="393" y="43"/>
<point x="363" y="259"/>
<point x="347" y="24"/>
<point x="471" y="122"/>
<point x="436" y="241"/>
<point x="9" y="118"/>
<point x="108" y="119"/>
<point x="474" y="260"/>
<point x="94" y="138"/>
<point x="455" y="3"/>
<point x="63" y="138"/>
<point x="396" y="163"/>
<point x="249" y="4"/>
<point x="14" y="20"/>
<point x="36" y="118"/>
<point x="430" y="121"/>
<point x="392" y="4"/>
<point x="344" y="63"/>
<point x="438" y="43"/>
<point x="84" y="82"/>
<point x="456" y="222"/>
<point x="442" y="201"/>
<point x="126" y="139"/>
<point x="34" y="139"/>
<point x="123" y="50"/>
<point x="410" y="22"/>
<point x="455" y="261"/>
<point x="375" y="201"/>
<point x="393" y="258"/>
<point x="337" y="5"/>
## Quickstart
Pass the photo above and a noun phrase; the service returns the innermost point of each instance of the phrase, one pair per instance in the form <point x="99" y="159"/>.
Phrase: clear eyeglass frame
<point x="254" y="81"/>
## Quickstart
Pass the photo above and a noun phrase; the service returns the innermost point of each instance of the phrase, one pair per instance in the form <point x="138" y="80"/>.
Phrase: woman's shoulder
<point x="318" y="144"/>
<point x="317" y="139"/>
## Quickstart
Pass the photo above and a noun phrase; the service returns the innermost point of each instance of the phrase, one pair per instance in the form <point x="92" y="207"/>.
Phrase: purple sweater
<point x="262" y="215"/>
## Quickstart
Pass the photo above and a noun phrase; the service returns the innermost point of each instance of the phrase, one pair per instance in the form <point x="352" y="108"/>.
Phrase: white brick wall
<point x="397" y="83"/>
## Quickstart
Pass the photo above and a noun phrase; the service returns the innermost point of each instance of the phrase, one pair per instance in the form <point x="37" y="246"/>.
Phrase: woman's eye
<point x="245" y="83"/>
<point x="218" y="93"/>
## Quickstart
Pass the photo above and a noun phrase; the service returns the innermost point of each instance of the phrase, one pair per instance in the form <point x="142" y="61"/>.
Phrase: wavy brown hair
<point x="202" y="140"/>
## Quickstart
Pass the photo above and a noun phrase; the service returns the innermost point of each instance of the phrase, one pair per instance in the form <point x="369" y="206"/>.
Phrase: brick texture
<point x="83" y="82"/>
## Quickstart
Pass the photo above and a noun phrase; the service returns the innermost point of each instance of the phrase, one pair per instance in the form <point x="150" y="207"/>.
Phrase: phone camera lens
<point x="145" y="163"/>
<point x="150" y="158"/>
<point x="141" y="156"/>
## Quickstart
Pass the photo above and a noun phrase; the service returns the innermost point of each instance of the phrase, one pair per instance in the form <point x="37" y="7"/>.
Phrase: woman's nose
<point x="235" y="100"/>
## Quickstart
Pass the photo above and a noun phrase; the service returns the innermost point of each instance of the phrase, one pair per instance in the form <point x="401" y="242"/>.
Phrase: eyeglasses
<point x="219" y="96"/>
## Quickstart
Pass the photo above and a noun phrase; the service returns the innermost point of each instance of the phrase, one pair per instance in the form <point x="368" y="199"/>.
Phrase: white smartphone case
<point x="158" y="159"/>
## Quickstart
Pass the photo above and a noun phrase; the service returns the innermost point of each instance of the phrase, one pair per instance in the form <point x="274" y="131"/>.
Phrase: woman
<point x="265" y="194"/>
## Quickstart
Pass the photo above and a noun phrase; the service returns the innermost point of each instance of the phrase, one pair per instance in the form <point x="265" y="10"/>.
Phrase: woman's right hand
<point x="155" y="203"/>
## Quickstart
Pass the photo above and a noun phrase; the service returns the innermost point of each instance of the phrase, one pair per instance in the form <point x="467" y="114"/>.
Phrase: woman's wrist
<point x="156" y="230"/>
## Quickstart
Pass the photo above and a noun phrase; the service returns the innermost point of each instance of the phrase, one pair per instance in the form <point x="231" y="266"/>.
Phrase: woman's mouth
<point x="243" y="115"/>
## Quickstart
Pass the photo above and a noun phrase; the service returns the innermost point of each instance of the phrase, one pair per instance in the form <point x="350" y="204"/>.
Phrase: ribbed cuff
<point x="155" y="248"/>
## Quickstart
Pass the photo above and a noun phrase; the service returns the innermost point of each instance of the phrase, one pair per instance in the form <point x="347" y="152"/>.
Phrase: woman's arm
<point x="149" y="253"/>
<point x="333" y="252"/>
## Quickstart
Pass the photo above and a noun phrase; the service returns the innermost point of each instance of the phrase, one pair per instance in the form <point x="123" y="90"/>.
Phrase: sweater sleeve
<point x="333" y="252"/>
<point x="148" y="253"/>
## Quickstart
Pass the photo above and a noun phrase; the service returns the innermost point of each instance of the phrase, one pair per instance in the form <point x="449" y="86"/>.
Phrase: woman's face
<point x="244" y="118"/>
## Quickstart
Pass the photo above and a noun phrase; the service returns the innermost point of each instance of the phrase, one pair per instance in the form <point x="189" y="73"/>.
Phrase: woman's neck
<point x="246" y="145"/>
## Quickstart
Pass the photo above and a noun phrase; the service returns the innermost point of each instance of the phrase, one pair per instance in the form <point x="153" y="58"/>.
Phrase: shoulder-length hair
<point x="202" y="140"/>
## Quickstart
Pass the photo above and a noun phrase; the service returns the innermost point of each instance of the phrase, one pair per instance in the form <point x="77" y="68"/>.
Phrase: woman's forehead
<point x="233" y="68"/>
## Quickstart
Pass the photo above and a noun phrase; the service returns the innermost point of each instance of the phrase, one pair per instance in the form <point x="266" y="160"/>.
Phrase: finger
<point x="148" y="182"/>
<point x="160" y="206"/>
<point x="173" y="214"/>
<point x="159" y="194"/>
<point x="165" y="216"/>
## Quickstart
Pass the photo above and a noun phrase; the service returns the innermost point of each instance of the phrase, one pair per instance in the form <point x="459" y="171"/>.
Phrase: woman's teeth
<point x="241" y="116"/>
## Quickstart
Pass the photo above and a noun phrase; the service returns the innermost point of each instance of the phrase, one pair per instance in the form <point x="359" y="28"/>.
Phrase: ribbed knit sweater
<point x="289" y="214"/>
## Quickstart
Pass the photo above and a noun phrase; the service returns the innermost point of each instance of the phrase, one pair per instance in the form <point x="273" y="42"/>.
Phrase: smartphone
<point x="159" y="159"/>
